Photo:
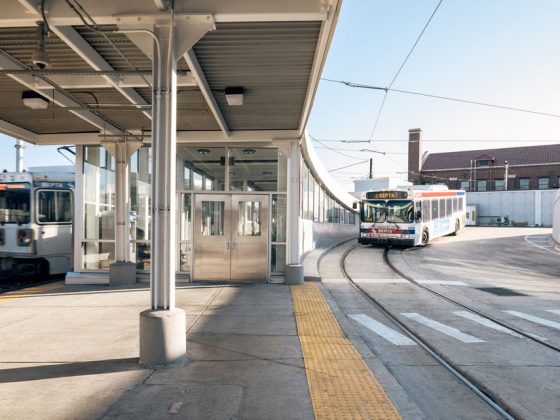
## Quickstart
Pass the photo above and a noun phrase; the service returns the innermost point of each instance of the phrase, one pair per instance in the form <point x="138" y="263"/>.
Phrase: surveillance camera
<point x="41" y="59"/>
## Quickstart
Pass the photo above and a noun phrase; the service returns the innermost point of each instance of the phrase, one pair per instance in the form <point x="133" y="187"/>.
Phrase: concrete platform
<point x="71" y="352"/>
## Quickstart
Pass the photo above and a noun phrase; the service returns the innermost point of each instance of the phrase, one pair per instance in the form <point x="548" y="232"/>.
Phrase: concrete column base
<point x="294" y="274"/>
<point x="122" y="273"/>
<point x="163" y="338"/>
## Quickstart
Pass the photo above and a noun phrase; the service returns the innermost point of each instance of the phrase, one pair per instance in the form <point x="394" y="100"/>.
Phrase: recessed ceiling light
<point x="235" y="95"/>
<point x="249" y="151"/>
<point x="203" y="151"/>
<point x="33" y="100"/>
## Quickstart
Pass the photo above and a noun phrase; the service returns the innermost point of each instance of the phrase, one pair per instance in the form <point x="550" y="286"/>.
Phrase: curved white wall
<point x="556" y="221"/>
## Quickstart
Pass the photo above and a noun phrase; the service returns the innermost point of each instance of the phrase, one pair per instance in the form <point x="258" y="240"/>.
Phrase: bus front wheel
<point x="425" y="237"/>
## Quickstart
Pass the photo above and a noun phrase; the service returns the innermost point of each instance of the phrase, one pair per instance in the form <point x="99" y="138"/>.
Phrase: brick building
<point x="526" y="167"/>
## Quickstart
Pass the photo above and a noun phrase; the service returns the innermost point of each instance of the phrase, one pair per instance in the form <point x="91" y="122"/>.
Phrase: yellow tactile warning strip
<point x="340" y="383"/>
<point x="30" y="292"/>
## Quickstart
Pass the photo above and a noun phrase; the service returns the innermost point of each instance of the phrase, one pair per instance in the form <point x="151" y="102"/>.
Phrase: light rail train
<point x="36" y="214"/>
<point x="411" y="217"/>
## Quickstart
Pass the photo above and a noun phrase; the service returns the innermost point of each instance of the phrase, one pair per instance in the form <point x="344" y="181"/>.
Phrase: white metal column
<point x="294" y="271"/>
<point x="164" y="143"/>
<point x="162" y="327"/>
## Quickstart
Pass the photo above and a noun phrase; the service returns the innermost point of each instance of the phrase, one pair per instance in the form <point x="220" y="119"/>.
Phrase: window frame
<point x="36" y="205"/>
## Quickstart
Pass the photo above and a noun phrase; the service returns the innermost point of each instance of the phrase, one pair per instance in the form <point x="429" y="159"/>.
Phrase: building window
<point x="481" y="185"/>
<point x="543" y="183"/>
<point x="482" y="163"/>
<point x="558" y="184"/>
<point x="499" y="185"/>
<point x="524" y="183"/>
<point x="465" y="185"/>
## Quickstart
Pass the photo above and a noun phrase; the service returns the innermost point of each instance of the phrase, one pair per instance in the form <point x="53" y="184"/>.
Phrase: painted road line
<point x="334" y="280"/>
<point x="554" y="311"/>
<point x="381" y="281"/>
<point x="442" y="328"/>
<point x="547" y="249"/>
<point x="443" y="282"/>
<point x="340" y="383"/>
<point x="486" y="322"/>
<point x="535" y="319"/>
<point x="381" y="330"/>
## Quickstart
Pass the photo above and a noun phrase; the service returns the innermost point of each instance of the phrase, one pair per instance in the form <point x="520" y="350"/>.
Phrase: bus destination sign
<point x="386" y="195"/>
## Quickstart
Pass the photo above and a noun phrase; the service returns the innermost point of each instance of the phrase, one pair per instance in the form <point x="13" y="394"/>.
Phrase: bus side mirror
<point x="419" y="215"/>
<point x="354" y="205"/>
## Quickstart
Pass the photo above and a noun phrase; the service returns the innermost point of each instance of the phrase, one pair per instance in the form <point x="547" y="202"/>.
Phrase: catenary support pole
<point x="19" y="156"/>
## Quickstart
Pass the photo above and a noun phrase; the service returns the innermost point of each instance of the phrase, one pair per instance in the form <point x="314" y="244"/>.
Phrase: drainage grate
<point x="500" y="291"/>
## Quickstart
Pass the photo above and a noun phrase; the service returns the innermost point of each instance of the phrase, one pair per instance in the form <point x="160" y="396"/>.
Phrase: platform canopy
<point x="98" y="84"/>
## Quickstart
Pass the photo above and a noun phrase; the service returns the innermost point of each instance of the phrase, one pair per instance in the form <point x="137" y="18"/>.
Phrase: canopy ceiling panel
<point x="53" y="120"/>
<point x="272" y="61"/>
<point x="21" y="42"/>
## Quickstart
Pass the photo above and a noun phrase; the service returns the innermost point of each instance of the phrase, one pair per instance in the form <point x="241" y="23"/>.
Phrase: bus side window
<point x="435" y="209"/>
<point x="426" y="210"/>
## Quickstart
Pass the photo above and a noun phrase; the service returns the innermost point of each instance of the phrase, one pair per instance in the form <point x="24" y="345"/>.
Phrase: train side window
<point x="54" y="206"/>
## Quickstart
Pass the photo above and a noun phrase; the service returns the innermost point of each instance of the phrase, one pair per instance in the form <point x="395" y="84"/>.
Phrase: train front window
<point x="400" y="211"/>
<point x="15" y="203"/>
<point x="373" y="211"/>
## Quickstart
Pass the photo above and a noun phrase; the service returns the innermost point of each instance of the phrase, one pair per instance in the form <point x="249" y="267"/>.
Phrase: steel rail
<point x="464" y="378"/>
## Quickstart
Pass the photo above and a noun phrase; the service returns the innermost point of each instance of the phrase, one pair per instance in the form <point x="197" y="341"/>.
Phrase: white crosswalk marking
<point x="443" y="282"/>
<point x="387" y="333"/>
<point x="535" y="319"/>
<point x="442" y="328"/>
<point x="486" y="322"/>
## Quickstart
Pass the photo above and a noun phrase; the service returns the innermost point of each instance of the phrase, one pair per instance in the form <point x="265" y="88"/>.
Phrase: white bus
<point x="411" y="217"/>
<point x="36" y="214"/>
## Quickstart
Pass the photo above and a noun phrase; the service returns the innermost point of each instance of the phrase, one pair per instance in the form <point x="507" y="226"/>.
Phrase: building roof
<point x="524" y="155"/>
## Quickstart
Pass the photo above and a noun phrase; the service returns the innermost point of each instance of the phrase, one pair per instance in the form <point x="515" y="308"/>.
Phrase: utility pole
<point x="19" y="156"/>
<point x="506" y="175"/>
<point x="370" y="168"/>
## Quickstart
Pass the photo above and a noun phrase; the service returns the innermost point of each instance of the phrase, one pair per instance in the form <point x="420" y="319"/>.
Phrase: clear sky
<point x="504" y="52"/>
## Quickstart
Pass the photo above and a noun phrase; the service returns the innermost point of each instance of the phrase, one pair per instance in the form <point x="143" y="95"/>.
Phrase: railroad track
<point x="485" y="394"/>
<point x="13" y="285"/>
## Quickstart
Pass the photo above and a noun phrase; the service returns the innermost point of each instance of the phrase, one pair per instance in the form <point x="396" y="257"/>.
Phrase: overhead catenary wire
<point x="348" y="166"/>
<point x="447" y="98"/>
<point x="399" y="71"/>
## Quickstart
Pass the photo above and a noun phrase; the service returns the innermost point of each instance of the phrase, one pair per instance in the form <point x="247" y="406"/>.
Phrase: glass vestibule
<point x="200" y="170"/>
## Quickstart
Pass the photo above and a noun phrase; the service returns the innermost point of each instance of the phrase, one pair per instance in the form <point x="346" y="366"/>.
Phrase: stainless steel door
<point x="231" y="237"/>
<point x="212" y="237"/>
<point x="249" y="238"/>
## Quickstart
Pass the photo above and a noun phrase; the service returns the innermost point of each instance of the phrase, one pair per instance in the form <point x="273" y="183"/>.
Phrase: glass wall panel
<point x="97" y="255"/>
<point x="257" y="169"/>
<point x="98" y="193"/>
<point x="185" y="229"/>
<point x="278" y="218"/>
<point x="278" y="259"/>
<point x="140" y="180"/>
<point x="201" y="168"/>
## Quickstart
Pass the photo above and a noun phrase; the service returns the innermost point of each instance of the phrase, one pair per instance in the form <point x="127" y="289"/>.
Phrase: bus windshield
<point x="15" y="203"/>
<point x="400" y="211"/>
<point x="373" y="211"/>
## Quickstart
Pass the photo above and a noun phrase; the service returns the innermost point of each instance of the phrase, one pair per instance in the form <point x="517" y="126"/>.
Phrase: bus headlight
<point x="405" y="236"/>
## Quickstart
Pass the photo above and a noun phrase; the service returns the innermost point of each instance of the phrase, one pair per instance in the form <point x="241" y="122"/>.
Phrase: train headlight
<point x="405" y="236"/>
<point x="24" y="237"/>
